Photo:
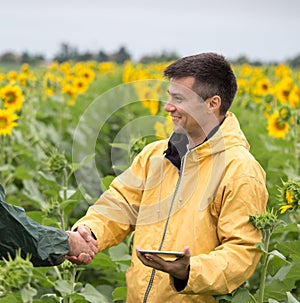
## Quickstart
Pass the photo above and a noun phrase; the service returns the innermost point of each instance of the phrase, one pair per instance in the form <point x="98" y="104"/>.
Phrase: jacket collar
<point x="178" y="146"/>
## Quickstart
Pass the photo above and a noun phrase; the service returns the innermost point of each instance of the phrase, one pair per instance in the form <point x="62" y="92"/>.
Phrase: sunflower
<point x="290" y="195"/>
<point x="12" y="96"/>
<point x="80" y="85"/>
<point x="294" y="97"/>
<point x="7" y="121"/>
<point x="25" y="68"/>
<point x="246" y="70"/>
<point x="12" y="76"/>
<point x="282" y="71"/>
<point x="105" y="67"/>
<point x="282" y="90"/>
<point x="2" y="77"/>
<point x="276" y="127"/>
<point x="87" y="73"/>
<point x="263" y="87"/>
<point x="69" y="89"/>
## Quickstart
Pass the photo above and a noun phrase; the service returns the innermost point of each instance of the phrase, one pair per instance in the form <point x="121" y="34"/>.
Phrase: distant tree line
<point x="68" y="52"/>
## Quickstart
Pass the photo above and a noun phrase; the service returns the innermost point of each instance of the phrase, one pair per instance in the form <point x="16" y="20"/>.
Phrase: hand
<point x="177" y="268"/>
<point x="83" y="246"/>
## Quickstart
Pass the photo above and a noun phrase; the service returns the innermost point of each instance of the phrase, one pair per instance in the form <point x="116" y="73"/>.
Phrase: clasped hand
<point x="83" y="247"/>
<point x="178" y="268"/>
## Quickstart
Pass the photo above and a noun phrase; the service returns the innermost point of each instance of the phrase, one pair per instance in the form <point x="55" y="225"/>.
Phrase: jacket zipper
<point x="150" y="284"/>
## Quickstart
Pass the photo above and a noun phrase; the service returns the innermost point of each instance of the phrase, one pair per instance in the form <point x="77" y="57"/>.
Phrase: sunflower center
<point x="10" y="97"/>
<point x="285" y="93"/>
<point x="280" y="125"/>
<point x="3" y="122"/>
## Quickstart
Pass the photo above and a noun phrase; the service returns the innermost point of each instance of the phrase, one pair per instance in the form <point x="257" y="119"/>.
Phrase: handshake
<point x="83" y="246"/>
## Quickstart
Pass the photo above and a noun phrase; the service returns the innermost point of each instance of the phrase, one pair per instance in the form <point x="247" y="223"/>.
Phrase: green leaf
<point x="27" y="293"/>
<point x="102" y="261"/>
<point x="91" y="294"/>
<point x="119" y="294"/>
<point x="63" y="286"/>
<point x="277" y="254"/>
<point x="22" y="173"/>
<point x="119" y="252"/>
<point x="7" y="167"/>
<point x="105" y="182"/>
<point x="241" y="296"/>
<point x="86" y="159"/>
<point x="291" y="298"/>
<point x="122" y="146"/>
<point x="9" y="299"/>
<point x="36" y="215"/>
<point x="40" y="273"/>
<point x="49" y="181"/>
<point x="283" y="281"/>
<point x="292" y="227"/>
<point x="275" y="264"/>
<point x="77" y="297"/>
<point x="289" y="248"/>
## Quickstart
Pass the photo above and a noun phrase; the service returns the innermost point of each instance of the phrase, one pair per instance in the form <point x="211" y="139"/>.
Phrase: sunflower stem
<point x="264" y="264"/>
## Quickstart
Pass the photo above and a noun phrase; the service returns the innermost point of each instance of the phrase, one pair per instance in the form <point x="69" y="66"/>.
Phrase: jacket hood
<point x="228" y="135"/>
<point x="223" y="137"/>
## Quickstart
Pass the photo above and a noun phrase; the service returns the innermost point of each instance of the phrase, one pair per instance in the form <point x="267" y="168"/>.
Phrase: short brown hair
<point x="213" y="74"/>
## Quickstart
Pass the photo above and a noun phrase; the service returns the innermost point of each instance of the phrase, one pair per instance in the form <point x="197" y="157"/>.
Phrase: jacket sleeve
<point x="46" y="245"/>
<point x="232" y="262"/>
<point x="114" y="214"/>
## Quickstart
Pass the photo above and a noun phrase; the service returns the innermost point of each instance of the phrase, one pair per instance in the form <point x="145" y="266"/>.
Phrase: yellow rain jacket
<point x="204" y="204"/>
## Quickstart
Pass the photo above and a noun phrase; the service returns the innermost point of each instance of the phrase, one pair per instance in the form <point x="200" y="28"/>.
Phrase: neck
<point x="206" y="132"/>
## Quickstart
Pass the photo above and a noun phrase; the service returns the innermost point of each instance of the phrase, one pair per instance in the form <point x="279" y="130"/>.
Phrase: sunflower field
<point x="66" y="130"/>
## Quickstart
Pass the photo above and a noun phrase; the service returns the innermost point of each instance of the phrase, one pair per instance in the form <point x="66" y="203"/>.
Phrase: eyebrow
<point x="174" y="94"/>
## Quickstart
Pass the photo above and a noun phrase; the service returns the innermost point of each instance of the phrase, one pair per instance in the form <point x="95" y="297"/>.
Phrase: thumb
<point x="187" y="252"/>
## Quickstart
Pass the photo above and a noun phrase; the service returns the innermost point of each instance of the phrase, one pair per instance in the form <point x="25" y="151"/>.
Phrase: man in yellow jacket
<point x="192" y="193"/>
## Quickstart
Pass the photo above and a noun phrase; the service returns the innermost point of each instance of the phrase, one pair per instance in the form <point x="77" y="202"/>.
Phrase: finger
<point x="142" y="257"/>
<point x="73" y="259"/>
<point x="95" y="249"/>
<point x="85" y="232"/>
<point x="85" y="258"/>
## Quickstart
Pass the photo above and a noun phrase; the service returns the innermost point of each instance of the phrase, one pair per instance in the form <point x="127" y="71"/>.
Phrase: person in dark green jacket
<point x="47" y="246"/>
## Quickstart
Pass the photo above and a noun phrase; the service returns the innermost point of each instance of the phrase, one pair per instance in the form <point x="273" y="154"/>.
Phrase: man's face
<point x="190" y="114"/>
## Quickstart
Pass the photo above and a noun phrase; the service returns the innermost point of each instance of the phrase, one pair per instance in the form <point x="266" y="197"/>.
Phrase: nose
<point x="169" y="107"/>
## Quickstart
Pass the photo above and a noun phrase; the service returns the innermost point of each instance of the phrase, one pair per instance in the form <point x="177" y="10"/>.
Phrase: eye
<point x="178" y="99"/>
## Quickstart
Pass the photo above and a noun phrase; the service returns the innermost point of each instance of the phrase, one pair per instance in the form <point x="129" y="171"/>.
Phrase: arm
<point x="46" y="245"/>
<point x="235" y="259"/>
<point x="114" y="215"/>
<point x="232" y="262"/>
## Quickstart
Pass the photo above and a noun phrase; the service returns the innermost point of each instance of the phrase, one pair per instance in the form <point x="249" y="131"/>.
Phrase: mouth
<point x="175" y="118"/>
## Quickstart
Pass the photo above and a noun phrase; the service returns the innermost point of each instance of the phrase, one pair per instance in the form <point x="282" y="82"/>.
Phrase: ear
<point x="214" y="104"/>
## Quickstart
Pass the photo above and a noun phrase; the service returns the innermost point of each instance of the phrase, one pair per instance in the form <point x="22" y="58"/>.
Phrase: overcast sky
<point x="265" y="30"/>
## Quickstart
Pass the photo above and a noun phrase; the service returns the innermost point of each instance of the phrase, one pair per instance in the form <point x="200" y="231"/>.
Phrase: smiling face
<point x="191" y="114"/>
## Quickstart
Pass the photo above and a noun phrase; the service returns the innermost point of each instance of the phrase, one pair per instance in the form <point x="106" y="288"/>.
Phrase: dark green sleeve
<point x="46" y="245"/>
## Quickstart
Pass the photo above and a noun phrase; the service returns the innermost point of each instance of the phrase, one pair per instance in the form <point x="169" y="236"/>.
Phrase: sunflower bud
<point x="56" y="162"/>
<point x="284" y="113"/>
<point x="267" y="220"/>
<point x="289" y="195"/>
<point x="15" y="273"/>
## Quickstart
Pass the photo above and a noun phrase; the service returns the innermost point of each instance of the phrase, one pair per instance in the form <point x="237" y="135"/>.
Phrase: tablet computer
<point x="177" y="254"/>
